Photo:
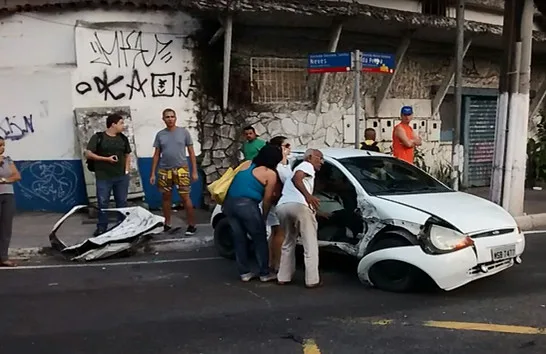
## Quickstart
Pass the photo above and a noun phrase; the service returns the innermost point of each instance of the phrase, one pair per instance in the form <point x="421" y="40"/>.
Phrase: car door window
<point x="391" y="176"/>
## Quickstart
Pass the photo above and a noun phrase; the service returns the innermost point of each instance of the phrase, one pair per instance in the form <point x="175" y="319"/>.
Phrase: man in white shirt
<point x="296" y="211"/>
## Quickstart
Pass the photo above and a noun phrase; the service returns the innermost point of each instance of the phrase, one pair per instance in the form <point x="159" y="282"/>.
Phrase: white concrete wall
<point x="484" y="17"/>
<point x="46" y="56"/>
<point x="415" y="6"/>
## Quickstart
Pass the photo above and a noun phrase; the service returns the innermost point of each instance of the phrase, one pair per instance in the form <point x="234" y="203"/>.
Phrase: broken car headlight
<point x="439" y="239"/>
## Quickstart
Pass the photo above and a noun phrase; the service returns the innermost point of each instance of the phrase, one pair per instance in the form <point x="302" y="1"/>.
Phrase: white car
<point x="402" y="223"/>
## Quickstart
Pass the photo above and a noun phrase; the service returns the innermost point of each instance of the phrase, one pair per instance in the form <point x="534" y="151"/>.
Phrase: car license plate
<point x="504" y="252"/>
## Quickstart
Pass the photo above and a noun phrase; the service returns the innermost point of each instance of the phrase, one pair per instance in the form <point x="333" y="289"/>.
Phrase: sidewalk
<point x="31" y="231"/>
<point x="534" y="207"/>
<point x="535" y="201"/>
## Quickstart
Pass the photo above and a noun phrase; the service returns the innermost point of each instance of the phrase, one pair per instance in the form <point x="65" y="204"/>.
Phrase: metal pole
<point x="459" y="57"/>
<point x="358" y="69"/>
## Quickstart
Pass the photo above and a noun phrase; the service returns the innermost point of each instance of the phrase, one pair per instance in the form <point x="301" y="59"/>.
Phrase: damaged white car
<point x="402" y="223"/>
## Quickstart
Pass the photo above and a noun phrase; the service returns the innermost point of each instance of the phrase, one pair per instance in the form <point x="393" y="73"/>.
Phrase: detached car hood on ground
<point x="466" y="212"/>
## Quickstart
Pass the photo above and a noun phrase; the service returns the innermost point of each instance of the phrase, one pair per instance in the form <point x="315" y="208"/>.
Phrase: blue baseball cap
<point x="406" y="111"/>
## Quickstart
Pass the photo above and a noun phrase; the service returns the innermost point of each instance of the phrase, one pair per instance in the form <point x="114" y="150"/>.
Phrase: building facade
<point x="63" y="72"/>
<point x="67" y="64"/>
<point x="270" y="87"/>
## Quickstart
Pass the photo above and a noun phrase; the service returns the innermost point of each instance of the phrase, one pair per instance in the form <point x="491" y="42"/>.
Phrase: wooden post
<point x="537" y="101"/>
<point x="227" y="59"/>
<point x="442" y="91"/>
<point x="383" y="91"/>
<point x="217" y="35"/>
<point x="337" y="26"/>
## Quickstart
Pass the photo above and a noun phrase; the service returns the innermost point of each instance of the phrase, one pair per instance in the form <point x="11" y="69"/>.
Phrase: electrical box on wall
<point x="374" y="124"/>
<point x="349" y="128"/>
<point x="387" y="126"/>
<point x="419" y="126"/>
<point x="433" y="130"/>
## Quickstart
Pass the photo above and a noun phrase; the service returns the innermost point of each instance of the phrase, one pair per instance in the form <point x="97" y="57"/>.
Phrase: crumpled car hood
<point x="139" y="224"/>
<point x="465" y="211"/>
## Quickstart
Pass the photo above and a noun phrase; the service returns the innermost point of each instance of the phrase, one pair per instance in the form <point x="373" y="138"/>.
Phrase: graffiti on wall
<point x="126" y="49"/>
<point x="53" y="182"/>
<point x="117" y="87"/>
<point x="126" y="65"/>
<point x="16" y="127"/>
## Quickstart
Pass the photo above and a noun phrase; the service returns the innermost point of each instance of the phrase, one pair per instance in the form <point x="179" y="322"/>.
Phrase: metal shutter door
<point x="481" y="116"/>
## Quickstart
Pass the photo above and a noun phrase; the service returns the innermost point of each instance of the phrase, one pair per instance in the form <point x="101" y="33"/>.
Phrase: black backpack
<point x="100" y="135"/>
<point x="373" y="147"/>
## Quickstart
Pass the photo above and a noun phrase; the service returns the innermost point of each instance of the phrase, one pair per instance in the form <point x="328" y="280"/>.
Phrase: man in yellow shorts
<point x="170" y="156"/>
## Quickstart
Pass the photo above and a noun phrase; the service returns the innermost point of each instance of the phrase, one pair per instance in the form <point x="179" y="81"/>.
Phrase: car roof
<point x="341" y="153"/>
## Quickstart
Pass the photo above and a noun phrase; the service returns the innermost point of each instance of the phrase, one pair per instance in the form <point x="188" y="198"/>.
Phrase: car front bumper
<point x="451" y="270"/>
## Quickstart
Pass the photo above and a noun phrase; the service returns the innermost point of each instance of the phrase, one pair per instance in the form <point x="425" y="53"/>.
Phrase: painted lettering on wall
<point x="50" y="181"/>
<point x="16" y="128"/>
<point x="126" y="49"/>
<point x="116" y="87"/>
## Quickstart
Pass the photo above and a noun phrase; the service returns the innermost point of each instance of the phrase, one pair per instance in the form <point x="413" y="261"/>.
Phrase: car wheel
<point x="223" y="240"/>
<point x="393" y="275"/>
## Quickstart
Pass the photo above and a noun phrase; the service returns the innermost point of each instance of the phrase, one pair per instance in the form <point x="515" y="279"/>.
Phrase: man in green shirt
<point x="253" y="144"/>
<point x="110" y="151"/>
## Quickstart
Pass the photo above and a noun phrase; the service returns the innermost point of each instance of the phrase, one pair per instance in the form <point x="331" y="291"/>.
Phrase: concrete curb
<point x="180" y="244"/>
<point x="529" y="222"/>
<point x="525" y="222"/>
<point x="25" y="253"/>
<point x="165" y="245"/>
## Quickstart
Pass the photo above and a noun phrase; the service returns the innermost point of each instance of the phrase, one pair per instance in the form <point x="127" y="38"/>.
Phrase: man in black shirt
<point x="109" y="152"/>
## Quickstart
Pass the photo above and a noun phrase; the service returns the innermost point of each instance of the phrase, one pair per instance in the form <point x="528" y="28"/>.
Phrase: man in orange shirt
<point x="403" y="137"/>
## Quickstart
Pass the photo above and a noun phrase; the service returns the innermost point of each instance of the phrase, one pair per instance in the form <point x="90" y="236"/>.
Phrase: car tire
<point x="223" y="240"/>
<point x="394" y="276"/>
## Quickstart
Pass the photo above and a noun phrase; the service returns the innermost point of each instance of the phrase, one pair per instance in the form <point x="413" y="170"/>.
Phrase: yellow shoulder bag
<point x="219" y="188"/>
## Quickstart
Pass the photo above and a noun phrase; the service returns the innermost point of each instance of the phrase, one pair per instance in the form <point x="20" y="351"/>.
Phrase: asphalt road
<point x="193" y="303"/>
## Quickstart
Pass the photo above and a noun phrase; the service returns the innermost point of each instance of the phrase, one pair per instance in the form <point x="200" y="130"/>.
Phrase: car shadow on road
<point x="525" y="278"/>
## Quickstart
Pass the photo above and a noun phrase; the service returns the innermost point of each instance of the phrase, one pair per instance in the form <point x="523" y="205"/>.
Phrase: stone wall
<point x="221" y="148"/>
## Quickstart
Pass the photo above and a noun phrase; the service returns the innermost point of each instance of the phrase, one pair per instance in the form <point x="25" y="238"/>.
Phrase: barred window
<point x="435" y="7"/>
<point x="281" y="80"/>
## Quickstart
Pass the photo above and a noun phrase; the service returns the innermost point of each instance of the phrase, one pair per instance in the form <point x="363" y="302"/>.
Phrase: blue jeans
<point x="120" y="187"/>
<point x="245" y="217"/>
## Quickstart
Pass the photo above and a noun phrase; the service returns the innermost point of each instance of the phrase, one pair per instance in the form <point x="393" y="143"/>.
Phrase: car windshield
<point x="380" y="175"/>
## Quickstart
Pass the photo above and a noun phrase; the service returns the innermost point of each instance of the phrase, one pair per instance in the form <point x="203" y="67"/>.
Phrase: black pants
<point x="7" y="212"/>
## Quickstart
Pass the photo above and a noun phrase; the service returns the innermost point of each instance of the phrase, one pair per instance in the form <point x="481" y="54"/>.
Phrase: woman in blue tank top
<point x="254" y="183"/>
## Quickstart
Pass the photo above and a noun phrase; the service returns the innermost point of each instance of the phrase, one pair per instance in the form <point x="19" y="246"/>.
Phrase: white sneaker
<point x="247" y="277"/>
<point x="269" y="277"/>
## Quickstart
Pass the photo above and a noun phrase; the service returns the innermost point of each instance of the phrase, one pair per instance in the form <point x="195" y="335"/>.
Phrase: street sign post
<point x="378" y="63"/>
<point x="357" y="62"/>
<point x="358" y="70"/>
<point x="329" y="63"/>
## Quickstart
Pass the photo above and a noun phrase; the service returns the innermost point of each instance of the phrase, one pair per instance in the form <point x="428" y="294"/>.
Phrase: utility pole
<point x="459" y="57"/>
<point x="521" y="124"/>
<point x="508" y="179"/>
<point x="508" y="33"/>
